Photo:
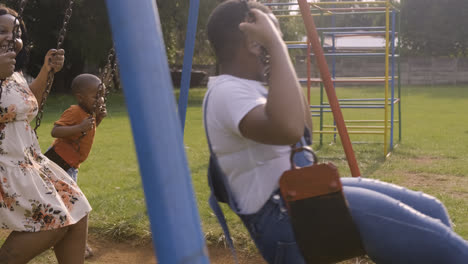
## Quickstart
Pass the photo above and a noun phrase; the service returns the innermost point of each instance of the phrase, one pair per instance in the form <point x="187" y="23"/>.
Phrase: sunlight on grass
<point x="432" y="157"/>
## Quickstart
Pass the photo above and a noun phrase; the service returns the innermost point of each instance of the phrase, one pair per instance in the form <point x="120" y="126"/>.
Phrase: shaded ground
<point x="107" y="251"/>
<point x="123" y="253"/>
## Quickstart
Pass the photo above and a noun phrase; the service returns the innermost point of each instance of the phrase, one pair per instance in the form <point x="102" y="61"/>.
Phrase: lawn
<point x="432" y="158"/>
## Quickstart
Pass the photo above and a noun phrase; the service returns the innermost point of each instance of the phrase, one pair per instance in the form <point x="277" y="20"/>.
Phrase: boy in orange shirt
<point x="75" y="130"/>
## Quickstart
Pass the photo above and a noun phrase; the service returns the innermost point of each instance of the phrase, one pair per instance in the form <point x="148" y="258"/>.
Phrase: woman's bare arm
<point x="54" y="60"/>
<point x="281" y="120"/>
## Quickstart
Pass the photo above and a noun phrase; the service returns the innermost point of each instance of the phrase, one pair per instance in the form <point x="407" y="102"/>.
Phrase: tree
<point x="87" y="40"/>
<point x="173" y="16"/>
<point x="435" y="27"/>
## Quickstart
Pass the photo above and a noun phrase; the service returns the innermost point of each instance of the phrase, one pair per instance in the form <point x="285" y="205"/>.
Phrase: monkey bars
<point x="388" y="52"/>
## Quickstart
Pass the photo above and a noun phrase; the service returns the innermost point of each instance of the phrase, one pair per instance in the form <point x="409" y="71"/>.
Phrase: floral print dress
<point x="35" y="193"/>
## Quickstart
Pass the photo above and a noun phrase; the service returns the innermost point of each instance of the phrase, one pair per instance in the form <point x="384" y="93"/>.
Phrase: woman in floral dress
<point x="39" y="202"/>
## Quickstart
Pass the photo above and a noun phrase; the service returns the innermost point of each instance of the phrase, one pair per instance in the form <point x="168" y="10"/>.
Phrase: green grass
<point x="109" y="177"/>
<point x="432" y="157"/>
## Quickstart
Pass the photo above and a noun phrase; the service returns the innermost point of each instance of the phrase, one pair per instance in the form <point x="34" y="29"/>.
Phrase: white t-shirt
<point x="253" y="169"/>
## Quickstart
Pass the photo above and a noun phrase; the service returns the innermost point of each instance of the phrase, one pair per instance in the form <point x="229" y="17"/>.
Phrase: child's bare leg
<point x="21" y="247"/>
<point x="71" y="248"/>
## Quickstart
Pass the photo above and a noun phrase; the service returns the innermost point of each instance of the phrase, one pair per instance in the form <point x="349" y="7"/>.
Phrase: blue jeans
<point x="396" y="225"/>
<point x="73" y="173"/>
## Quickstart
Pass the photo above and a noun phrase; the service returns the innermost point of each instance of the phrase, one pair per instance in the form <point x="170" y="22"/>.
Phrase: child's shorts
<point x="53" y="156"/>
<point x="73" y="173"/>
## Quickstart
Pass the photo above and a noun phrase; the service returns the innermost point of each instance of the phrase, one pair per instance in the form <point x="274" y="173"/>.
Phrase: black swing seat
<point x="322" y="223"/>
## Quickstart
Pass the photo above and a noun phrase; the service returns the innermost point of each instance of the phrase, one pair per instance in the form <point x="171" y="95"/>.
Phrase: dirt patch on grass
<point x="426" y="160"/>
<point x="122" y="253"/>
<point x="451" y="185"/>
<point x="107" y="252"/>
<point x="3" y="234"/>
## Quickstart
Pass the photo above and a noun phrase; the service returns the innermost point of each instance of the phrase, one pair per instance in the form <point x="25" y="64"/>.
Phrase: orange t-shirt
<point x="74" y="149"/>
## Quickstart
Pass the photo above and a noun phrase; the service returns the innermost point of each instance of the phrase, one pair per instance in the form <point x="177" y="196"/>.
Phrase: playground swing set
<point x="178" y="237"/>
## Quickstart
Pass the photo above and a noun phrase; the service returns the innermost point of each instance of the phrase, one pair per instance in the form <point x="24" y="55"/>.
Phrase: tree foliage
<point x="87" y="41"/>
<point x="435" y="27"/>
<point x="429" y="27"/>
<point x="174" y="18"/>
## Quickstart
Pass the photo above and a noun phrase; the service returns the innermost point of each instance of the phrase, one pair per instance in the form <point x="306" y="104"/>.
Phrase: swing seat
<point x="322" y="223"/>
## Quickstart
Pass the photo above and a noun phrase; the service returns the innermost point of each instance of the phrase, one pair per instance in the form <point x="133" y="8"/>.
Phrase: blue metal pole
<point x="392" y="112"/>
<point x="144" y="71"/>
<point x="188" y="56"/>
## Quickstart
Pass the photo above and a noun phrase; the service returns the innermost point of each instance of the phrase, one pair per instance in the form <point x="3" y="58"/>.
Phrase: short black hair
<point x="81" y="81"/>
<point x="22" y="58"/>
<point x="223" y="26"/>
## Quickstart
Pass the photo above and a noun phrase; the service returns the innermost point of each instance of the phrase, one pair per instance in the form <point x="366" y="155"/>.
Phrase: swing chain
<point x="22" y="5"/>
<point x="40" y="112"/>
<point x="107" y="76"/>
<point x="109" y="71"/>
<point x="51" y="73"/>
<point x="16" y="28"/>
<point x="66" y="20"/>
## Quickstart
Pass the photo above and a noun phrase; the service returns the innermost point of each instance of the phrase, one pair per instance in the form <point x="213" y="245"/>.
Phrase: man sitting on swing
<point x="250" y="131"/>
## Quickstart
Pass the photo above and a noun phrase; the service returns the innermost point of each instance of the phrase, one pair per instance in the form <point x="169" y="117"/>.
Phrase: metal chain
<point x="109" y="71"/>
<point x="16" y="28"/>
<point x="50" y="74"/>
<point x="66" y="20"/>
<point x="77" y="143"/>
<point x="1" y="89"/>
<point x="265" y="58"/>
<point x="21" y="7"/>
<point x="107" y="76"/>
